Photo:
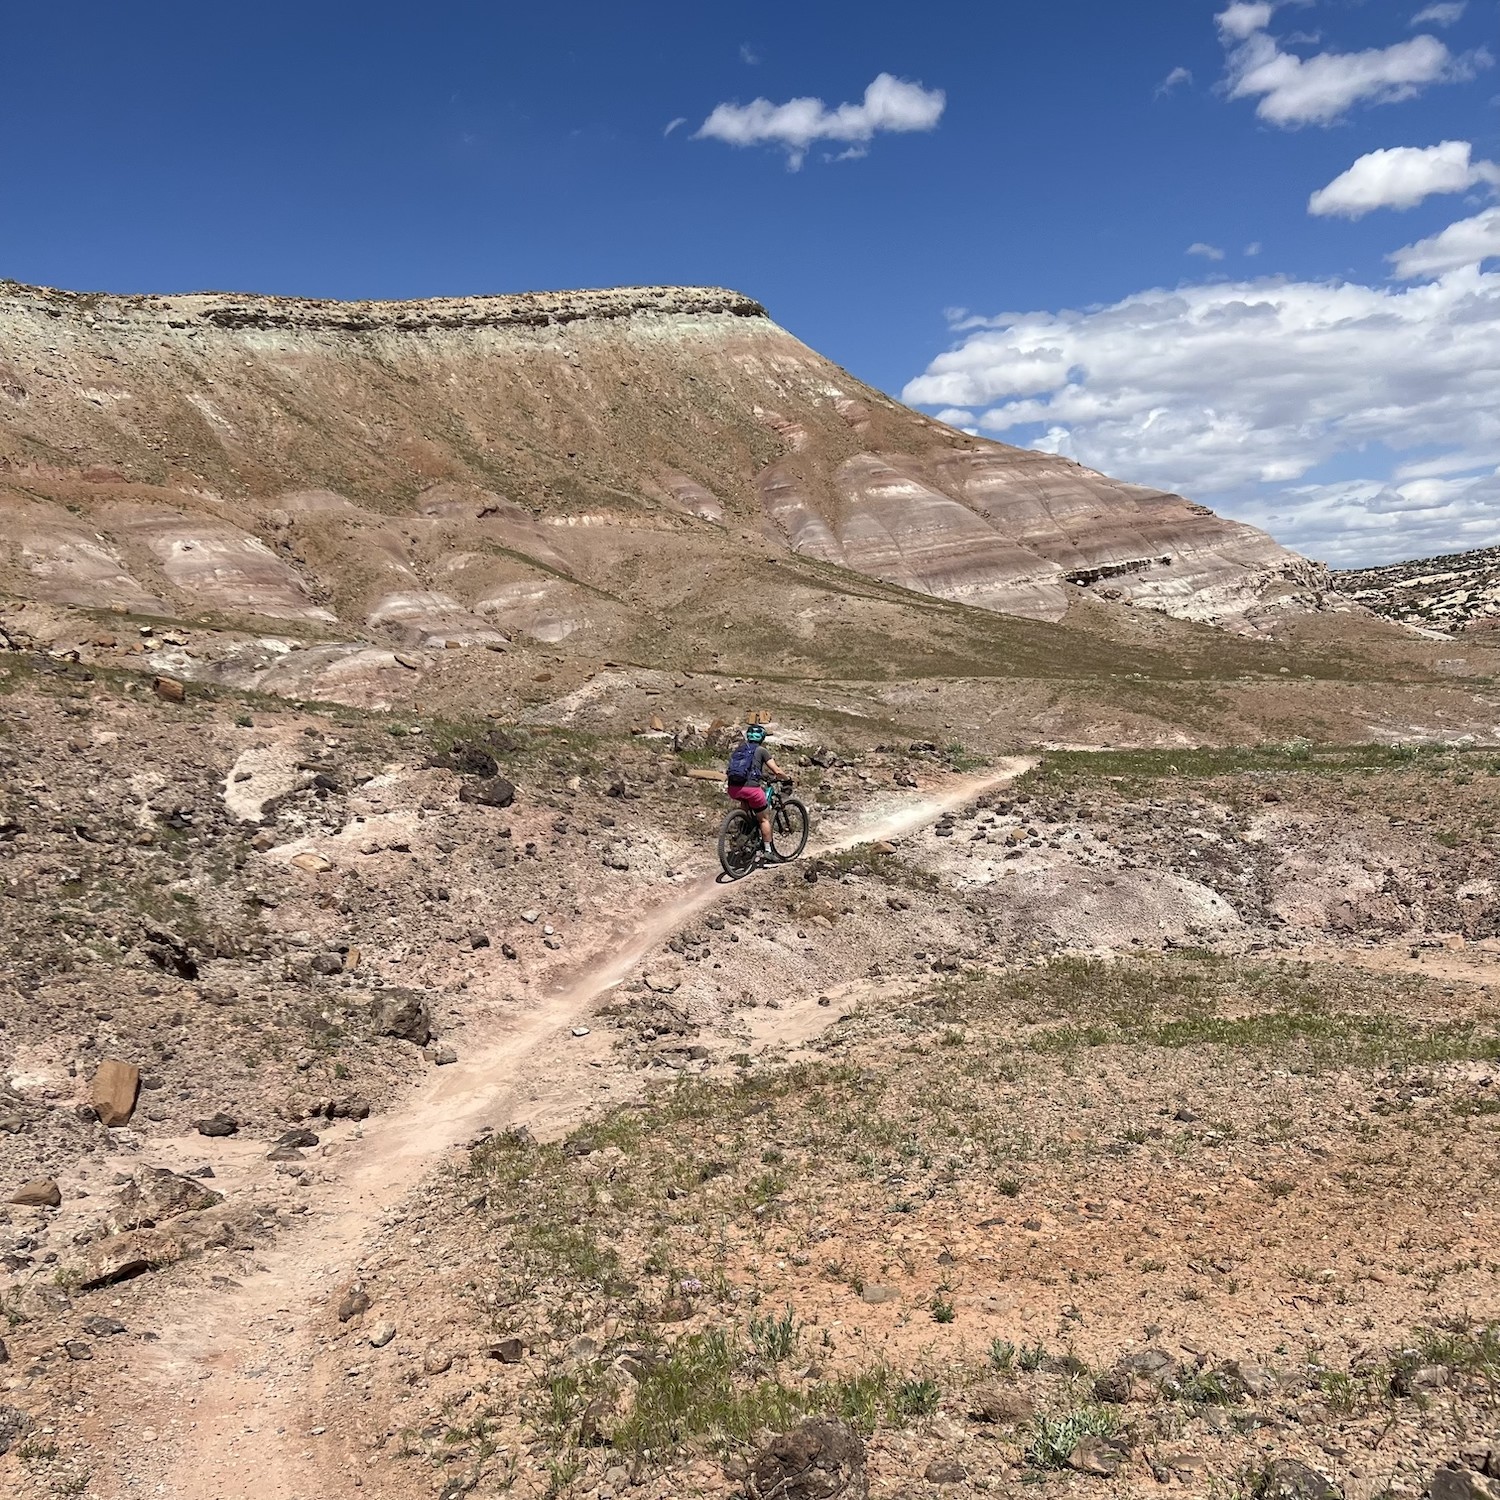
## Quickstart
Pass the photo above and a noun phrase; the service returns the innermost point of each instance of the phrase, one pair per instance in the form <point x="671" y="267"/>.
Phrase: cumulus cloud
<point x="1291" y="91"/>
<point x="1241" y="21"/>
<point x="1445" y="13"/>
<point x="1466" y="243"/>
<point x="1208" y="252"/>
<point x="1175" y="79"/>
<point x="1402" y="177"/>
<point x="889" y="104"/>
<point x="1239" y="393"/>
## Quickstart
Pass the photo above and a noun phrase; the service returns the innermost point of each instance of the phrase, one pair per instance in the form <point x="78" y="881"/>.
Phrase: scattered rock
<point x="507" y="1351"/>
<point x="437" y="1362"/>
<point x="14" y="1425"/>
<point x="1137" y="1377"/>
<point x="1291" y="1479"/>
<point x="946" y="1471"/>
<point x="169" y="689"/>
<point x="876" y="1294"/>
<point x="444" y="1057"/>
<point x="354" y="1302"/>
<point x="1098" y="1456"/>
<point x="1461" y="1484"/>
<point x="817" y="1461"/>
<point x="115" y="1089"/>
<point x="313" y="862"/>
<point x="381" y="1334"/>
<point x="1247" y="1379"/>
<point x="1002" y="1405"/>
<point x="102" y="1328"/>
<point x="43" y="1193"/>
<point x="218" y="1124"/>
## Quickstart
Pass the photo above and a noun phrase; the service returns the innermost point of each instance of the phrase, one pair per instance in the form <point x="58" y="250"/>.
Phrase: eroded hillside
<point x="457" y="470"/>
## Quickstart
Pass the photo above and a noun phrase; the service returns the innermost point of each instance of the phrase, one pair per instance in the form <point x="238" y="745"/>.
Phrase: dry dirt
<point x="1022" y="1070"/>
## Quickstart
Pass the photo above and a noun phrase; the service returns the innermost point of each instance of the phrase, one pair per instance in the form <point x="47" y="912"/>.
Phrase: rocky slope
<point x="461" y="470"/>
<point x="1011" y="1083"/>
<point x="1458" y="591"/>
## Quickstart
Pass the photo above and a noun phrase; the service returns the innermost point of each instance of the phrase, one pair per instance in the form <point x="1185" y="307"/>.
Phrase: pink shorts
<point x="753" y="797"/>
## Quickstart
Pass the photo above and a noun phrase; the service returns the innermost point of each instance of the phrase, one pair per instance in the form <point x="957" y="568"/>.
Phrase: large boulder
<point x="122" y="1256"/>
<point x="404" y="1014"/>
<point x="488" y="791"/>
<point x="1461" y="1484"/>
<point x="156" y="1195"/>
<point x="115" y="1088"/>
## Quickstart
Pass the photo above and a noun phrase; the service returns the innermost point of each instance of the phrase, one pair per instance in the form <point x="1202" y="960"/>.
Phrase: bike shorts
<point x="754" y="797"/>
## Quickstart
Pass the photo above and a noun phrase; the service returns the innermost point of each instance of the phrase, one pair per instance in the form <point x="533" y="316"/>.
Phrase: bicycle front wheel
<point x="739" y="843"/>
<point x="789" y="827"/>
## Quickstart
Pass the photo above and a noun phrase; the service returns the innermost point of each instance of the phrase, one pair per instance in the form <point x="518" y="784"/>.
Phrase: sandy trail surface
<point x="224" y="1405"/>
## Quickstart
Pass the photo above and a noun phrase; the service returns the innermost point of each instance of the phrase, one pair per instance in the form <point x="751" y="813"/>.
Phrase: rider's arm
<point x="775" y="770"/>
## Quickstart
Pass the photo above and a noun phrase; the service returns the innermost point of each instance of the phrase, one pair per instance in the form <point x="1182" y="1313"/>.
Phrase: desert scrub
<point x="1316" y="1015"/>
<point x="709" y="1392"/>
<point x="1056" y="1437"/>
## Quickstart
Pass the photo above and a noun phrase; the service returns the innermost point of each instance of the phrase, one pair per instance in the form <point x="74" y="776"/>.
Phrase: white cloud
<point x="1320" y="90"/>
<point x="748" y="55"/>
<point x="1401" y="177"/>
<point x="1466" y="243"/>
<point x="1445" y="13"/>
<point x="1242" y="20"/>
<point x="1253" y="248"/>
<point x="1174" y="79"/>
<point x="673" y="124"/>
<point x="890" y="104"/>
<point x="1238" y="393"/>
<point x="1208" y="252"/>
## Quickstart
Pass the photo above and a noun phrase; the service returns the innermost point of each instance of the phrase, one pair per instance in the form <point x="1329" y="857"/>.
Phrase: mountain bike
<point x="739" y="836"/>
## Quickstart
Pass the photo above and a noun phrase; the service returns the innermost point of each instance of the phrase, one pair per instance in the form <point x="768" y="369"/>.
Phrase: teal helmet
<point x="756" y="733"/>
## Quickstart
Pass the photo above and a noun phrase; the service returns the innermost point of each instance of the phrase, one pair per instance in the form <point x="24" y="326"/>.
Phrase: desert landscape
<point x="395" y="1100"/>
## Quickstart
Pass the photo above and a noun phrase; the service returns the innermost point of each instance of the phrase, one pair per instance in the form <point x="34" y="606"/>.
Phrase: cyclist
<point x="749" y="764"/>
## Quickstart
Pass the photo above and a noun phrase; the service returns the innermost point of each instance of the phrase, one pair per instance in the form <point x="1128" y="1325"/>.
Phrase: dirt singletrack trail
<point x="223" y="1405"/>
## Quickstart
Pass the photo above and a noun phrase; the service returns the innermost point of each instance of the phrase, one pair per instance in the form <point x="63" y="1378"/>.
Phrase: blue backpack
<point x="742" y="764"/>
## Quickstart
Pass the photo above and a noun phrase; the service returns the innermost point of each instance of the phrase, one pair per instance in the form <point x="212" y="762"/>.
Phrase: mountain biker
<point x="749" y="764"/>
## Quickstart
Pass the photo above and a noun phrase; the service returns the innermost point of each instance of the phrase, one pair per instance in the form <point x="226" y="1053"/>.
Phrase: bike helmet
<point x="756" y="733"/>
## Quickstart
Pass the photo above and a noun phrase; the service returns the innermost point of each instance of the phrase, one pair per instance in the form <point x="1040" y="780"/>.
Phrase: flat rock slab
<point x="114" y="1091"/>
<point x="43" y="1193"/>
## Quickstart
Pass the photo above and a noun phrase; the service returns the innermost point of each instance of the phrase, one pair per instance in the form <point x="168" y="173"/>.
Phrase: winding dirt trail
<point x="218" y="1407"/>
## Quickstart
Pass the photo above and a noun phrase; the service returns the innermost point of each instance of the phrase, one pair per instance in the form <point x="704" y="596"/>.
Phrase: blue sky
<point x="1025" y="184"/>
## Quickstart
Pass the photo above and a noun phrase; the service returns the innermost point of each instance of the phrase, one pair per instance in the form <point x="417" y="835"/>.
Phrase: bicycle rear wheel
<point x="739" y="843"/>
<point x="789" y="826"/>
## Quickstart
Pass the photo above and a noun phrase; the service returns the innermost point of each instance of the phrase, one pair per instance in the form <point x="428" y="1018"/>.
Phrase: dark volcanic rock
<point x="819" y="1460"/>
<point x="404" y="1014"/>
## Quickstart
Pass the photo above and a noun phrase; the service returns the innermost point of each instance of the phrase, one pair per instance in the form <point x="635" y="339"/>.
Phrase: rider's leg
<point x="763" y="817"/>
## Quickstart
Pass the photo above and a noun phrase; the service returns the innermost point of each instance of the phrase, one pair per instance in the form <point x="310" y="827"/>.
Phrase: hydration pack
<point x="742" y="765"/>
